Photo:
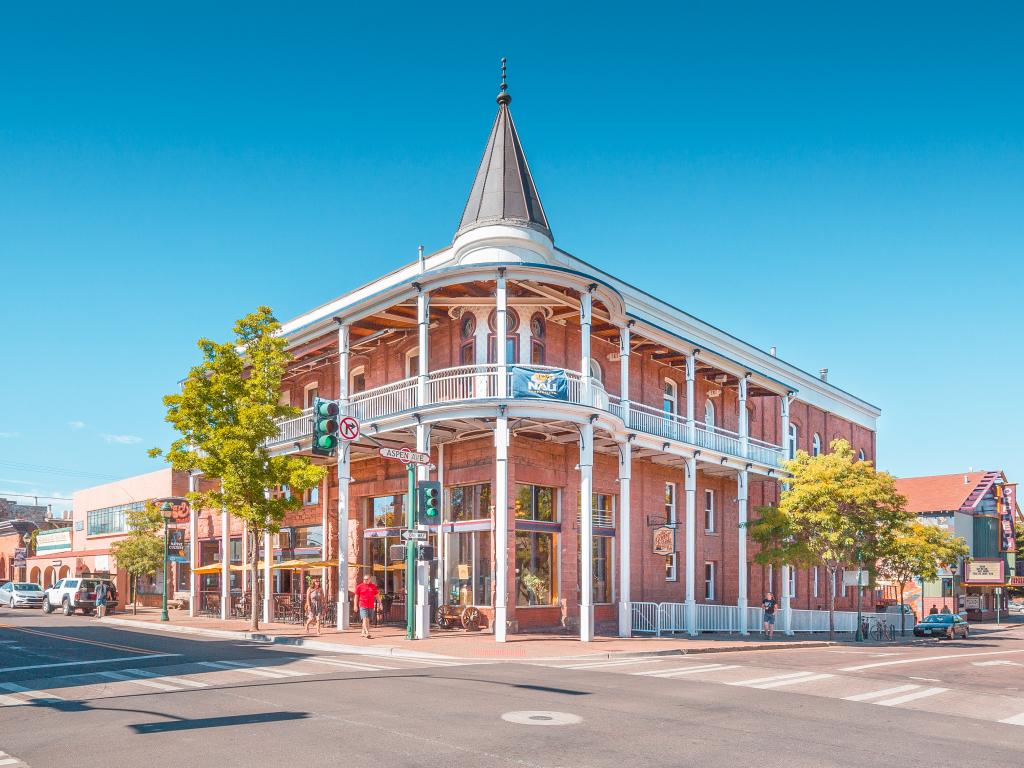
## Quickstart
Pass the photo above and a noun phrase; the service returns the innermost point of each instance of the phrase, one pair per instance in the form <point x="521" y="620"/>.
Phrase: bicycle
<point x="883" y="631"/>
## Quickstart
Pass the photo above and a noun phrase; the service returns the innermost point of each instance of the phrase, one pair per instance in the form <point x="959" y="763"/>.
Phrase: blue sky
<point x="844" y="185"/>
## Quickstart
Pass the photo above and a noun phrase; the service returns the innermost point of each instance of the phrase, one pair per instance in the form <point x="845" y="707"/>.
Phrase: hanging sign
<point x="176" y="550"/>
<point x="1006" y="498"/>
<point x="664" y="540"/>
<point x="19" y="557"/>
<point x="404" y="455"/>
<point x="548" y="384"/>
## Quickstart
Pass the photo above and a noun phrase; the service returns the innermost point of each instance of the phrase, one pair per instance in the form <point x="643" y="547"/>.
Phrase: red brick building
<point x="564" y="410"/>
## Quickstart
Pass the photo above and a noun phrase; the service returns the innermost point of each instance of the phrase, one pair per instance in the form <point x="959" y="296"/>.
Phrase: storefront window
<point x="468" y="556"/>
<point x="386" y="512"/>
<point x="183" y="583"/>
<point x="536" y="568"/>
<point x="151" y="584"/>
<point x="470" y="502"/>
<point x="602" y="564"/>
<point x="535" y="502"/>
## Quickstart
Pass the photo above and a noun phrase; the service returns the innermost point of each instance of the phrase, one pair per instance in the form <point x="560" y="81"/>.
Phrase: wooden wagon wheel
<point x="471" y="618"/>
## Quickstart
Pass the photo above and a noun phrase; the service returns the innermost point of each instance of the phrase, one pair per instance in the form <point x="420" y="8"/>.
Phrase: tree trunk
<point x="831" y="603"/>
<point x="135" y="595"/>
<point x="254" y="590"/>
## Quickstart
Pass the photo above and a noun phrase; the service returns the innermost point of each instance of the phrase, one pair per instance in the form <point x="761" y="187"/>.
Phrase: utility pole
<point x="410" y="555"/>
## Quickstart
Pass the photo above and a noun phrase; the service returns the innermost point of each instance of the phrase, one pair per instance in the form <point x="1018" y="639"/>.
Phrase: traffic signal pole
<point x="410" y="555"/>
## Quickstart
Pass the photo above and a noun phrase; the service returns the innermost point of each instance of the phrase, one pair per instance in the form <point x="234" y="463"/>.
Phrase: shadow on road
<point x="217" y="722"/>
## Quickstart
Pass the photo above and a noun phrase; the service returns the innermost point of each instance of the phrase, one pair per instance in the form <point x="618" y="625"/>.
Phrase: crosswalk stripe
<point x="10" y="701"/>
<point x="1015" y="720"/>
<point x="9" y="761"/>
<point x="793" y="681"/>
<point x="348" y="664"/>
<point x="166" y="678"/>
<point x="235" y="667"/>
<point x="29" y="693"/>
<point x="773" y="678"/>
<point x="120" y="676"/>
<point x="879" y="694"/>
<point x="241" y="666"/>
<point x="606" y="663"/>
<point x="911" y="697"/>
<point x="683" y="670"/>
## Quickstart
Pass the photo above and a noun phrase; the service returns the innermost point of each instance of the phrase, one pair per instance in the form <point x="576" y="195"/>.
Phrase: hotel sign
<point x="982" y="572"/>
<point x="664" y="540"/>
<point x="49" y="542"/>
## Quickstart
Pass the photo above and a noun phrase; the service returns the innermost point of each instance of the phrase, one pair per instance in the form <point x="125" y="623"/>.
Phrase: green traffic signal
<point x="325" y="427"/>
<point x="429" y="506"/>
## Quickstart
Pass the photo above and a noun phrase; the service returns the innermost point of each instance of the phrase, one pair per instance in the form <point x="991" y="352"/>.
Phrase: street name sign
<point x="404" y="455"/>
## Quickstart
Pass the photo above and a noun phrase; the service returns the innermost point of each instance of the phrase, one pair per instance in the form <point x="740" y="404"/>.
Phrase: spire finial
<point x="503" y="95"/>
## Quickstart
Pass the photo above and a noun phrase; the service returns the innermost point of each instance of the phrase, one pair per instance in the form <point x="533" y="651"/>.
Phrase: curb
<point x="299" y="642"/>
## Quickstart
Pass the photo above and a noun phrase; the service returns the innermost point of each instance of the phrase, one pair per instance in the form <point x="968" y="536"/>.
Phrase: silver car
<point x="21" y="594"/>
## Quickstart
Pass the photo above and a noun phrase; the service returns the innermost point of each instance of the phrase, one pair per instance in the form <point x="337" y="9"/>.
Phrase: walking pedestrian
<point x="101" y="599"/>
<point x="769" y="605"/>
<point x="366" y="599"/>
<point x="934" y="610"/>
<point x="316" y="603"/>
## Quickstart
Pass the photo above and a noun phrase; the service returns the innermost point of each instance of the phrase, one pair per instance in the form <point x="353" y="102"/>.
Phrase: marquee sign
<point x="664" y="540"/>
<point x="985" y="572"/>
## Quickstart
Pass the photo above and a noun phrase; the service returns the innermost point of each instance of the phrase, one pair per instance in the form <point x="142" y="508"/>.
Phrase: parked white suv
<point x="77" y="594"/>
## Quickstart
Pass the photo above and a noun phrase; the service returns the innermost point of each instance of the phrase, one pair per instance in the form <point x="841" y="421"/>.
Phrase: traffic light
<point x="429" y="507"/>
<point x="325" y="427"/>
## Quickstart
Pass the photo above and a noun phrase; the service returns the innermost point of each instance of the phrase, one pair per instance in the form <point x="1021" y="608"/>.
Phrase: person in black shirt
<point x="769" y="605"/>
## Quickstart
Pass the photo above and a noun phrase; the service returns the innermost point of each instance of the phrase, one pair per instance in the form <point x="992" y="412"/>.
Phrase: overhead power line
<point x="49" y="470"/>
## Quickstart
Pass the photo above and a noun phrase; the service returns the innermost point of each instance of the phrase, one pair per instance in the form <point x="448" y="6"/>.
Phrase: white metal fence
<point x="667" y="618"/>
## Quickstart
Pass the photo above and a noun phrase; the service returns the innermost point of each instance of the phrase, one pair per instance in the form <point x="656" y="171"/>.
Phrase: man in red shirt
<point x="366" y="599"/>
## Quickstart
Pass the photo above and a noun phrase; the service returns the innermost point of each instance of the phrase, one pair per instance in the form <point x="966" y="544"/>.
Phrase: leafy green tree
<point x="834" y="510"/>
<point x="141" y="552"/>
<point x="225" y="413"/>
<point x="917" y="552"/>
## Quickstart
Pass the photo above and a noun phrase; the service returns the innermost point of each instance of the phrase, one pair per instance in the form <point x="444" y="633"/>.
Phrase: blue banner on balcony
<point x="550" y="384"/>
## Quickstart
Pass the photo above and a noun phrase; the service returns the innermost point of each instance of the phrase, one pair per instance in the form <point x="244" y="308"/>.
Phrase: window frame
<point x="709" y="414"/>
<point x="358" y="370"/>
<point x="410" y="355"/>
<point x="816" y="445"/>
<point x="710" y="573"/>
<point x="670" y="395"/>
<point x="307" y="398"/>
<point x="710" y="515"/>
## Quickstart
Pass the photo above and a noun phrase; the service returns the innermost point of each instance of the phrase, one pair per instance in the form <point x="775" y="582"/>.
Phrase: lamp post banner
<point x="177" y="552"/>
<point x="546" y="384"/>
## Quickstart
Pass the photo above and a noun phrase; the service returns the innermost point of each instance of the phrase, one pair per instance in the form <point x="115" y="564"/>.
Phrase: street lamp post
<point x="165" y="509"/>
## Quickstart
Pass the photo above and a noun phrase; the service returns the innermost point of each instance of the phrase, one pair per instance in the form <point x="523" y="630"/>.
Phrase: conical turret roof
<point x="503" y="191"/>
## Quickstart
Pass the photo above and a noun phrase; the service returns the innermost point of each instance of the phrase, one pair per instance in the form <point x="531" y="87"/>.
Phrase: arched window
<point x="670" y="398"/>
<point x="511" y="338"/>
<point x="816" y="445"/>
<point x="467" y="336"/>
<point x="412" y="362"/>
<point x="709" y="415"/>
<point x="357" y="380"/>
<point x="538" y="329"/>
<point x="860" y="455"/>
<point x="595" y="371"/>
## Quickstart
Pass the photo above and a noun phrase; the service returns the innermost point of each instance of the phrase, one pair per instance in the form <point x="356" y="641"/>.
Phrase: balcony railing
<point x="480" y="382"/>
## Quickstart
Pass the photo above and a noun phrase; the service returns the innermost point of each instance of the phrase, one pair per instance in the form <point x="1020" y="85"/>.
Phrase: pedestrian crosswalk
<point x="190" y="676"/>
<point x="833" y="684"/>
<point x="10" y="761"/>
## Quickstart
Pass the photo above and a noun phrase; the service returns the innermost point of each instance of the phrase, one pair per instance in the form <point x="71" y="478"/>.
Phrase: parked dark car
<point x="948" y="625"/>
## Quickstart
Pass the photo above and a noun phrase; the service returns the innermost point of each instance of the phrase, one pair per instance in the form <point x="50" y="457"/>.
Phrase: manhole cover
<point x="542" y="718"/>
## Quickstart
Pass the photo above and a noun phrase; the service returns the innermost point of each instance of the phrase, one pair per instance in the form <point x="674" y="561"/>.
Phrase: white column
<point x="744" y="418"/>
<point x="690" y="485"/>
<point x="423" y="324"/>
<point x="586" y="564"/>
<point x="624" y="371"/>
<point x="268" y="576"/>
<point x="344" y="471"/>
<point x="586" y="302"/>
<point x="442" y="552"/>
<point x="691" y="376"/>
<point x="324" y="490"/>
<point x="193" y="549"/>
<point x="625" y="475"/>
<point x="784" y="437"/>
<point x="421" y="628"/>
<point x="741" y="549"/>
<point x="787" y="606"/>
<point x="225" y="563"/>
<point x="500" y="326"/>
<point x="500" y="528"/>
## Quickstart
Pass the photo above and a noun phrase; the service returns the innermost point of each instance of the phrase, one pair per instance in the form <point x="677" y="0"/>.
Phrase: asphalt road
<point x="74" y="692"/>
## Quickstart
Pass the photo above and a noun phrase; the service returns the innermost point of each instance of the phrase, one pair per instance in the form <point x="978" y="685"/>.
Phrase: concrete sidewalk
<point x="391" y="641"/>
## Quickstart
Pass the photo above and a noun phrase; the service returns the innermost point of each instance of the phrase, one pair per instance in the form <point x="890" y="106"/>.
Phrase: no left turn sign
<point x="348" y="429"/>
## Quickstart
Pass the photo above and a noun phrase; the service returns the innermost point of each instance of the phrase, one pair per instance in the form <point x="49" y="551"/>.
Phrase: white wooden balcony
<point x="468" y="383"/>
